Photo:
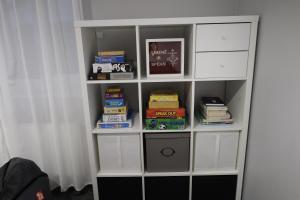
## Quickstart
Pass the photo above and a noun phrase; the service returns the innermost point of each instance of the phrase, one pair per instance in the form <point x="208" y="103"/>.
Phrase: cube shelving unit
<point x="219" y="61"/>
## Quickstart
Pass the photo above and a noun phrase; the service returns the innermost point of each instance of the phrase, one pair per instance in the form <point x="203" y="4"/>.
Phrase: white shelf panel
<point x="225" y="172"/>
<point x="218" y="127"/>
<point x="220" y="79"/>
<point x="187" y="129"/>
<point x="134" y="129"/>
<point x="186" y="78"/>
<point x="118" y="174"/>
<point x="148" y="174"/>
<point x="111" y="81"/>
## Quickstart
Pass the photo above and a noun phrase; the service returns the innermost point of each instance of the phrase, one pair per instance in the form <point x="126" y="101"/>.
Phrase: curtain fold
<point x="40" y="85"/>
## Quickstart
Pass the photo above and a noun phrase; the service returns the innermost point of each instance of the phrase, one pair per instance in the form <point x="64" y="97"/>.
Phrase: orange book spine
<point x="165" y="113"/>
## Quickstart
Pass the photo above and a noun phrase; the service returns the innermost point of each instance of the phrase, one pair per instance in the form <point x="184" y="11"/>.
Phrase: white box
<point x="221" y="64"/>
<point x="216" y="151"/>
<point x="119" y="153"/>
<point x="223" y="37"/>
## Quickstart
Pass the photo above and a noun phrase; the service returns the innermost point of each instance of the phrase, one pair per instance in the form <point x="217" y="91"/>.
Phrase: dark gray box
<point x="167" y="152"/>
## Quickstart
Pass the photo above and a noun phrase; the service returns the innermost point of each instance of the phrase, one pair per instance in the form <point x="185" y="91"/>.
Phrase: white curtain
<point x="41" y="105"/>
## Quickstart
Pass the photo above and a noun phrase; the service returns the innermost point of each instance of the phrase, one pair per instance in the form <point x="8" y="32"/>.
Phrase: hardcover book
<point x="126" y="124"/>
<point x="122" y="76"/>
<point x="109" y="59"/>
<point x="115" y="110"/>
<point x="212" y="101"/>
<point x="114" y="102"/>
<point x="111" y="53"/>
<point x="163" y="104"/>
<point x="163" y="124"/>
<point x="112" y="67"/>
<point x="165" y="113"/>
<point x="163" y="96"/>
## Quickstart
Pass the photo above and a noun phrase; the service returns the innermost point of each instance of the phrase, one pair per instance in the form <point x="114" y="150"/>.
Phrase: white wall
<point x="116" y="9"/>
<point x="273" y="159"/>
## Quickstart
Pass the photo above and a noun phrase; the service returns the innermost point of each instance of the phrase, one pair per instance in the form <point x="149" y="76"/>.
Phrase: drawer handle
<point x="222" y="66"/>
<point x="167" y="152"/>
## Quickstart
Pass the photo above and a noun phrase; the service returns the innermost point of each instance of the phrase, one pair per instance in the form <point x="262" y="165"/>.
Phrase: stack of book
<point x="214" y="111"/>
<point x="111" y="65"/>
<point x="116" y="114"/>
<point x="164" y="111"/>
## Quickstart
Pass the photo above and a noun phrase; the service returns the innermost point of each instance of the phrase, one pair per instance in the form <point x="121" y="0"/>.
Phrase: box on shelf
<point x="116" y="124"/>
<point x="167" y="152"/>
<point x="163" y="104"/>
<point x="165" y="124"/>
<point x="119" y="153"/>
<point x="163" y="112"/>
<point x="111" y="53"/>
<point x="110" y="62"/>
<point x="122" y="76"/>
<point x="163" y="96"/>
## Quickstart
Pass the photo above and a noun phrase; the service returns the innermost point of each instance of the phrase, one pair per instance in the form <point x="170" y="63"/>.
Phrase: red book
<point x="165" y="113"/>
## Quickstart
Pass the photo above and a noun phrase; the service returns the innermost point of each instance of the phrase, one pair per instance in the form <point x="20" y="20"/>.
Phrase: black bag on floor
<point x="22" y="179"/>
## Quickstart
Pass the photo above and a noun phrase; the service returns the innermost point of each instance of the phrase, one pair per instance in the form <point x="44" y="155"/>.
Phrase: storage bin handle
<point x="167" y="151"/>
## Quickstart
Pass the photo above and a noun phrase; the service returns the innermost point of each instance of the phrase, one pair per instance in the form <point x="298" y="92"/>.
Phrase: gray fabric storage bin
<point x="167" y="152"/>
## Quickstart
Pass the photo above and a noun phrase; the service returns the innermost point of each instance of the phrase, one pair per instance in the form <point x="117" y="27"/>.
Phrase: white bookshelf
<point x="233" y="85"/>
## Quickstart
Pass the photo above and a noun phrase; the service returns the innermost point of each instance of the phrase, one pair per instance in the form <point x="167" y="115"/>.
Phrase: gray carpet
<point x="71" y="194"/>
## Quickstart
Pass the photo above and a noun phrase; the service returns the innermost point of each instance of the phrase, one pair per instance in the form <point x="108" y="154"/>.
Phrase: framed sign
<point x="165" y="57"/>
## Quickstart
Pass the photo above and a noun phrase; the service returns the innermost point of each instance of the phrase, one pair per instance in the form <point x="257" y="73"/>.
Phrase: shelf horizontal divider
<point x="218" y="127"/>
<point x="111" y="81"/>
<point x="150" y="174"/>
<point x="215" y="172"/>
<point x="119" y="174"/>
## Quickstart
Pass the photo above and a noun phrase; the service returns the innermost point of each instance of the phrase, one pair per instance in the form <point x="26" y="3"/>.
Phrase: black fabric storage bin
<point x="167" y="152"/>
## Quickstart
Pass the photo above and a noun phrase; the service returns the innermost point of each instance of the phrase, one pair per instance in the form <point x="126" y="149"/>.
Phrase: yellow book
<point x="115" y="110"/>
<point x="113" y="89"/>
<point x="163" y="104"/>
<point x="111" y="53"/>
<point x="163" y="96"/>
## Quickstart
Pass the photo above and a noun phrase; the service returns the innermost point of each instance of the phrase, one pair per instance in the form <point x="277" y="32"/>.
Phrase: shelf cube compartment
<point x="164" y="32"/>
<point x="184" y="91"/>
<point x="96" y="97"/>
<point x="214" y="187"/>
<point x="233" y="93"/>
<point x="215" y="151"/>
<point x="108" y="39"/>
<point x="164" y="188"/>
<point x="119" y="153"/>
<point x="120" y="188"/>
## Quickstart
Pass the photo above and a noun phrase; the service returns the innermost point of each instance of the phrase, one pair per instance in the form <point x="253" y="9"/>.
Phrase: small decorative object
<point x="165" y="57"/>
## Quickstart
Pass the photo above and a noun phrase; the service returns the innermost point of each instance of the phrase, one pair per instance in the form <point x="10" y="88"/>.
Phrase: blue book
<point x="114" y="102"/>
<point x="109" y="59"/>
<point x="126" y="124"/>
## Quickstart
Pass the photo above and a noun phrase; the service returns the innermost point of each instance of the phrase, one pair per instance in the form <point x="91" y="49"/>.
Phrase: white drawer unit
<point x="221" y="65"/>
<point x="216" y="151"/>
<point x="119" y="153"/>
<point x="223" y="37"/>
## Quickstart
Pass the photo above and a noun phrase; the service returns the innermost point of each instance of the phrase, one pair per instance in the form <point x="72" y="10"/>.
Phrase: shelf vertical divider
<point x="92" y="148"/>
<point x="244" y="133"/>
<point x="138" y="61"/>
<point x="193" y="56"/>
<point x="138" y="52"/>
